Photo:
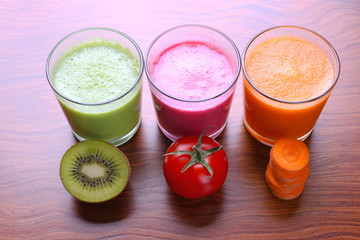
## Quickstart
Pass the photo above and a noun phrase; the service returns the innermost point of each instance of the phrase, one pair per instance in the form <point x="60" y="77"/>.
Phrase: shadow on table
<point x="196" y="212"/>
<point x="113" y="210"/>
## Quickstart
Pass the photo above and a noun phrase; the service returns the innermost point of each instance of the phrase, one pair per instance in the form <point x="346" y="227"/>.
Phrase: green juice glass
<point x="110" y="83"/>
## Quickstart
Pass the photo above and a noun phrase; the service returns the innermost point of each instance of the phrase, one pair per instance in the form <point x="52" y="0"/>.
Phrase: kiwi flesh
<point x="94" y="171"/>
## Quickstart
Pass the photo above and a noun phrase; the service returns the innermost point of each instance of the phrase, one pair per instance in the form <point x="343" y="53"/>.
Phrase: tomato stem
<point x="198" y="155"/>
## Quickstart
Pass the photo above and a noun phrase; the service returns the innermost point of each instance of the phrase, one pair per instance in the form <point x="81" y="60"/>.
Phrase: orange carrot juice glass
<point x="289" y="73"/>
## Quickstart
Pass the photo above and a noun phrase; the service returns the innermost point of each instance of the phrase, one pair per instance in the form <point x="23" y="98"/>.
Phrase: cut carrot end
<point x="280" y="187"/>
<point x="288" y="196"/>
<point x="284" y="176"/>
<point x="289" y="155"/>
<point x="283" y="190"/>
<point x="290" y="183"/>
<point x="280" y="191"/>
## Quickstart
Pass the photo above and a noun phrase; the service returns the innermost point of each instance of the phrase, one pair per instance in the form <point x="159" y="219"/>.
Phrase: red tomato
<point x="192" y="170"/>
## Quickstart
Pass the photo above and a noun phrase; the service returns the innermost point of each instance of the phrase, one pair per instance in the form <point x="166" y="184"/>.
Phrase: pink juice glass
<point x="192" y="72"/>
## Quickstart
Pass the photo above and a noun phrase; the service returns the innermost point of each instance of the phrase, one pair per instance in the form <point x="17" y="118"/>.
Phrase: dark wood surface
<point x="34" y="133"/>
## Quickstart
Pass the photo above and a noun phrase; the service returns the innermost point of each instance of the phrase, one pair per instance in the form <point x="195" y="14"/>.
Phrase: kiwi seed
<point x="94" y="171"/>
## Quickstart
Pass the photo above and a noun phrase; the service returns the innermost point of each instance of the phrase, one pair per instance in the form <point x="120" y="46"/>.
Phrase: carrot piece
<point x="284" y="177"/>
<point x="289" y="155"/>
<point x="280" y="191"/>
<point x="288" y="168"/>
<point x="274" y="184"/>
<point x="288" y="182"/>
<point x="289" y="196"/>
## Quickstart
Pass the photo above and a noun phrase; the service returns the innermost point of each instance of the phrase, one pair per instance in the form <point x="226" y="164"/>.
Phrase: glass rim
<point x="335" y="79"/>
<point x="236" y="76"/>
<point x="92" y="29"/>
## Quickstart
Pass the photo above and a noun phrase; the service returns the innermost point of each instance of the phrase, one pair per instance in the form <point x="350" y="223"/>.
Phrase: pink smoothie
<point x="193" y="72"/>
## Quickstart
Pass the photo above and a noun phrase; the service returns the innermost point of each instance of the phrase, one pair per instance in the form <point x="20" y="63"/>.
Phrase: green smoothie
<point x="91" y="77"/>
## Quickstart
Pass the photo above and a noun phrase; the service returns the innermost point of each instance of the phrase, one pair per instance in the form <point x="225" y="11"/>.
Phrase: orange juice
<point x="286" y="85"/>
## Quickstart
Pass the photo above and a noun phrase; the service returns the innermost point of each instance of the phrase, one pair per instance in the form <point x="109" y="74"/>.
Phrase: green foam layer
<point x="95" y="71"/>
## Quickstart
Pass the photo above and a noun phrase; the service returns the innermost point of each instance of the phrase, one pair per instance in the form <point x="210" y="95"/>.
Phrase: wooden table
<point x="34" y="133"/>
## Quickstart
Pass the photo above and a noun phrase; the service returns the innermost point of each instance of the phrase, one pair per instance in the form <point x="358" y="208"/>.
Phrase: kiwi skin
<point x="98" y="189"/>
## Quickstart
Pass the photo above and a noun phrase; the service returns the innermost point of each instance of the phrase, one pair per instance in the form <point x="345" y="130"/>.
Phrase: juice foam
<point x="192" y="71"/>
<point x="290" y="69"/>
<point x="95" y="71"/>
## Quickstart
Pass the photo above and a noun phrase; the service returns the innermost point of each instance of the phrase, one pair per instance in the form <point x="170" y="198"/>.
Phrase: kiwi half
<point x="94" y="171"/>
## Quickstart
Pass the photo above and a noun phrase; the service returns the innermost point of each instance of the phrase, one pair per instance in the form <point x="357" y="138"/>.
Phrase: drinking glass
<point x="180" y="116"/>
<point x="115" y="120"/>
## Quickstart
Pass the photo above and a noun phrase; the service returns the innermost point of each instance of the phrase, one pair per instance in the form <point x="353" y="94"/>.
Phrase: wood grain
<point x="34" y="134"/>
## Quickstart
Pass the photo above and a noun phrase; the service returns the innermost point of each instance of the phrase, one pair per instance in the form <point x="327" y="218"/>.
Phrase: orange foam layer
<point x="290" y="69"/>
